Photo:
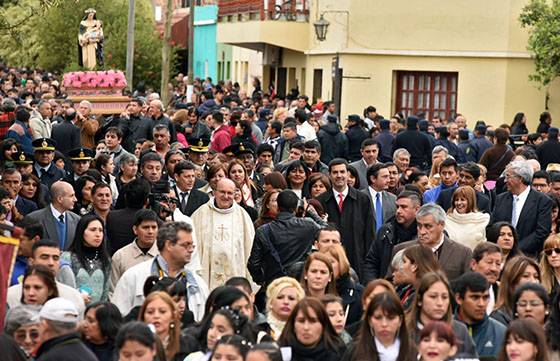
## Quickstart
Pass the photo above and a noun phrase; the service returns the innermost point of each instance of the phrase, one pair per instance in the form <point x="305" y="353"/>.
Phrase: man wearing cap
<point x="40" y="122"/>
<point x="81" y="158"/>
<point x="417" y="144"/>
<point x="44" y="167"/>
<point x="549" y="150"/>
<point x="20" y="130"/>
<point x="385" y="140"/>
<point x="59" y="338"/>
<point x="65" y="133"/>
<point x="198" y="151"/>
<point x="57" y="219"/>
<point x="480" y="143"/>
<point x="245" y="153"/>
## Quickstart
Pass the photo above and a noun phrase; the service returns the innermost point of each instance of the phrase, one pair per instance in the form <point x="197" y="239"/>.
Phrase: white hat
<point x="59" y="309"/>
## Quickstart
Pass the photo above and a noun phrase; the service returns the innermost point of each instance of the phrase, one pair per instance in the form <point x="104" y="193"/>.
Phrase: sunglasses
<point x="549" y="251"/>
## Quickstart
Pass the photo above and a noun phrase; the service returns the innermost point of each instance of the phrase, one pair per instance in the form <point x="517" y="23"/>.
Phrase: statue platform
<point x="103" y="89"/>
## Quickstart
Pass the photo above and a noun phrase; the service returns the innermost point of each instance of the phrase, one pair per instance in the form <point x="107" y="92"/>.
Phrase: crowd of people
<point x="228" y="226"/>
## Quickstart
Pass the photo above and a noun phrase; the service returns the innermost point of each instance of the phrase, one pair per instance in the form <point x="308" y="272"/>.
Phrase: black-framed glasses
<point x="549" y="251"/>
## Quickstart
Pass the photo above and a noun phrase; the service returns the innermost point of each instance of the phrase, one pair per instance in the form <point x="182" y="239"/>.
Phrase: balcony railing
<point x="282" y="10"/>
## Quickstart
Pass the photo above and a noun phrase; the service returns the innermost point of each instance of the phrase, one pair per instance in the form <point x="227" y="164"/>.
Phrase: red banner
<point x="8" y="253"/>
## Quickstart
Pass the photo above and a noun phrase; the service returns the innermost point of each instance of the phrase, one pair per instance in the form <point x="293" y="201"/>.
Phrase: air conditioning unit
<point x="271" y="55"/>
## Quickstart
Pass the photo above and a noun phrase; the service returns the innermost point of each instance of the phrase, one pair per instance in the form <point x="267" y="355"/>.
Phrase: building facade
<point x="405" y="56"/>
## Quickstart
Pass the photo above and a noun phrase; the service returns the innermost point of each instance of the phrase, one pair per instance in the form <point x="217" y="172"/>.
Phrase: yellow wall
<point x="489" y="89"/>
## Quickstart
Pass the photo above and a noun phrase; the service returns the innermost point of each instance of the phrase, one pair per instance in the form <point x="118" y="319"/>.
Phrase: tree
<point x="48" y="38"/>
<point x="542" y="18"/>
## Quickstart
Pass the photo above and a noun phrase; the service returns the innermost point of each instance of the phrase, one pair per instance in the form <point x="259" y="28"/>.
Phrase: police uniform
<point x="78" y="155"/>
<point x="50" y="173"/>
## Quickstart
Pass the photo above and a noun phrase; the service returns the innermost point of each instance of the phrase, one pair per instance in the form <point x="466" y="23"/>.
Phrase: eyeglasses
<point x="534" y="303"/>
<point x="549" y="251"/>
<point x="22" y="335"/>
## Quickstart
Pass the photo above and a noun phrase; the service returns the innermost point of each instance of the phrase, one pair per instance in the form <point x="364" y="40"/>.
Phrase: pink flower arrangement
<point x="95" y="79"/>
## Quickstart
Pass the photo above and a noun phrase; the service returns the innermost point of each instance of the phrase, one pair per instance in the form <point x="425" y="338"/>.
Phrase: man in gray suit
<point x="370" y="151"/>
<point x="58" y="222"/>
<point x="453" y="258"/>
<point x="383" y="202"/>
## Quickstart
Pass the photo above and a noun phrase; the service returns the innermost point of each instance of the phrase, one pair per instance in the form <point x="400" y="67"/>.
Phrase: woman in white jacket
<point x="465" y="224"/>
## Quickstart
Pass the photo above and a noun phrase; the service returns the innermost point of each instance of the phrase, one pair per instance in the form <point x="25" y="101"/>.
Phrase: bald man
<point x="58" y="222"/>
<point x="158" y="117"/>
<point x="225" y="236"/>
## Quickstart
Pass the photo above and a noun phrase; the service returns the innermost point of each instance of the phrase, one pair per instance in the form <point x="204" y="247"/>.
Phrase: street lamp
<point x="321" y="27"/>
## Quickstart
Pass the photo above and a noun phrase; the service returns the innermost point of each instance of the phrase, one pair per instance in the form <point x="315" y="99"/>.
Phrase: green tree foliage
<point x="47" y="35"/>
<point x="542" y="18"/>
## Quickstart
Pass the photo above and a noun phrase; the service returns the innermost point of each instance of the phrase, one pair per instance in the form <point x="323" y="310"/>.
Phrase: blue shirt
<point x="20" y="266"/>
<point x="431" y="195"/>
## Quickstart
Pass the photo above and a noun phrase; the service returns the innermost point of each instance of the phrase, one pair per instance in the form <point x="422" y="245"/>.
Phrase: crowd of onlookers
<point x="229" y="226"/>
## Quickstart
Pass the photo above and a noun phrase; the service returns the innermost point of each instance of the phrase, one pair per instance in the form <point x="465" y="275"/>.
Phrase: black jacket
<point x="378" y="258"/>
<point x="65" y="348"/>
<point x="292" y="238"/>
<point x="134" y="128"/>
<point x="355" y="223"/>
<point x="317" y="352"/>
<point x="356" y="135"/>
<point x="445" y="199"/>
<point x="351" y="294"/>
<point x="418" y="145"/>
<point x="334" y="143"/>
<point x="548" y="152"/>
<point x="66" y="135"/>
<point x="195" y="199"/>
<point x="119" y="228"/>
<point x="534" y="224"/>
<point x="386" y="141"/>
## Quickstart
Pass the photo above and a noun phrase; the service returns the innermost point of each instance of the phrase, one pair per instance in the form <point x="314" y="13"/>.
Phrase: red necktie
<point x="340" y="201"/>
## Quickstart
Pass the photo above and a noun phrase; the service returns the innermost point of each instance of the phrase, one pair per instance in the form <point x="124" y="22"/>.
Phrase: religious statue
<point x="90" y="40"/>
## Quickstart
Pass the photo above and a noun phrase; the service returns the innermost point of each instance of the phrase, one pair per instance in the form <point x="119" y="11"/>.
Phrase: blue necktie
<point x="378" y="212"/>
<point x="61" y="229"/>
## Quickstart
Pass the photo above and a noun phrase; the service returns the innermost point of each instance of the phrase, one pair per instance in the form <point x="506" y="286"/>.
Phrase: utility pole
<point x="190" y="60"/>
<point x="130" y="45"/>
<point x="165" y="51"/>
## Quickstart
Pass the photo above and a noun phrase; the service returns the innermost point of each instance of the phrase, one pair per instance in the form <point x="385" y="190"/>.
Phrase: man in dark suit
<point x="66" y="134"/>
<point x="528" y="210"/>
<point x="120" y="221"/>
<point x="352" y="213"/>
<point x="417" y="143"/>
<point x="44" y="167"/>
<point x="190" y="199"/>
<point x="468" y="176"/>
<point x="370" y="151"/>
<point x="383" y="203"/>
<point x="453" y="258"/>
<point x="11" y="181"/>
<point x="57" y="220"/>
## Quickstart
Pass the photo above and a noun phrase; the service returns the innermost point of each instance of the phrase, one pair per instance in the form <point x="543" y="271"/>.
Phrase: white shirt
<point x="390" y="353"/>
<point x="521" y="199"/>
<point x="436" y="247"/>
<point x="337" y="197"/>
<point x="56" y="213"/>
<point x="373" y="193"/>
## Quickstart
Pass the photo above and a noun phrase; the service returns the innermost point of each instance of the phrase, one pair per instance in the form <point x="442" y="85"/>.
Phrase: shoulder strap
<point x="273" y="251"/>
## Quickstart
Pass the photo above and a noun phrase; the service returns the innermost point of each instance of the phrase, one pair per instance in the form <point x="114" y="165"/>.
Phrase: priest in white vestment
<point x="225" y="236"/>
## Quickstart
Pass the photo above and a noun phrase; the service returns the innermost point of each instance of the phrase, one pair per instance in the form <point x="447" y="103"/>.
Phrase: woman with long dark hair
<point x="519" y="124"/>
<point x="297" y="175"/>
<point x="524" y="341"/>
<point x="38" y="286"/>
<point x="89" y="259"/>
<point x="504" y="235"/>
<point x="102" y="321"/>
<point x="243" y="134"/>
<point x="384" y="333"/>
<point x="136" y="340"/>
<point x="105" y="165"/>
<point x="310" y="333"/>
<point x="31" y="189"/>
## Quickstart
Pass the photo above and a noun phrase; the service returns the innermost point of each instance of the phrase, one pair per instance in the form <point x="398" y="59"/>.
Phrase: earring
<point x="172" y="325"/>
<point x="546" y="313"/>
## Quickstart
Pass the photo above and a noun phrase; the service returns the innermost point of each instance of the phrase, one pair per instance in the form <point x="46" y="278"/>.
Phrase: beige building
<point x="433" y="56"/>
